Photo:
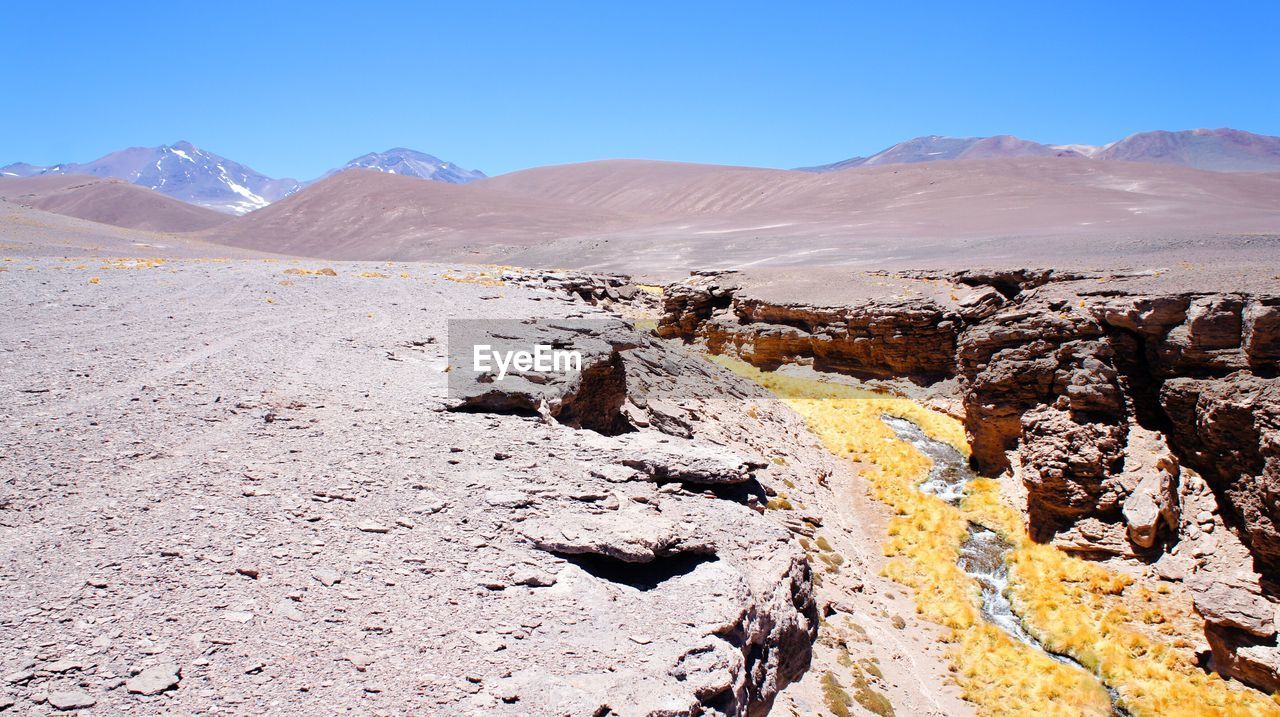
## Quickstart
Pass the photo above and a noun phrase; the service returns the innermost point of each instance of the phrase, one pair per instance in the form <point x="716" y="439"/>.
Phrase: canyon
<point x="1133" y="414"/>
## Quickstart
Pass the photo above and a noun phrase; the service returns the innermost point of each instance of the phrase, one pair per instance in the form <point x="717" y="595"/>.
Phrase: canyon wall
<point x="1141" y="411"/>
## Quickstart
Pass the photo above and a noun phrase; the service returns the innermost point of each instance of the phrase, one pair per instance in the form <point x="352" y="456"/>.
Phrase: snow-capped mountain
<point x="182" y="171"/>
<point x="1220" y="150"/>
<point x="412" y="163"/>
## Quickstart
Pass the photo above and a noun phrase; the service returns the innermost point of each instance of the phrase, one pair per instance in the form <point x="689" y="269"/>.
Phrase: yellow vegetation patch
<point x="372" y="275"/>
<point x="127" y="263"/>
<point x="311" y="272"/>
<point x="1073" y="606"/>
<point x="651" y="289"/>
<point x="95" y="280"/>
<point x="483" y="278"/>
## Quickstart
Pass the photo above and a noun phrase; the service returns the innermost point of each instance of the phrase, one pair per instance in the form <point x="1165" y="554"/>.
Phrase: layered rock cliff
<point x="1108" y="394"/>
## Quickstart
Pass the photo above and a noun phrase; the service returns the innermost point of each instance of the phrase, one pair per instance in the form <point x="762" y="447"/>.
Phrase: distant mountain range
<point x="182" y="171"/>
<point x="1218" y="150"/>
<point x="411" y="163"/>
<point x="186" y="172"/>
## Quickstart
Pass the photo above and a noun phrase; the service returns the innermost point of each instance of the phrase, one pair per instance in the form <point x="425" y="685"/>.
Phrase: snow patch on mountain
<point x="182" y="171"/>
<point x="412" y="163"/>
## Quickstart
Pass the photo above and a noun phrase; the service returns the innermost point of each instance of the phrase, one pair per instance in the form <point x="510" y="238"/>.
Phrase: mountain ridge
<point x="1218" y="150"/>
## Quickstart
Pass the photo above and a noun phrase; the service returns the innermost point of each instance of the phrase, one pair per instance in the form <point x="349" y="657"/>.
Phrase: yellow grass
<point x="1073" y="606"/>
<point x="483" y="278"/>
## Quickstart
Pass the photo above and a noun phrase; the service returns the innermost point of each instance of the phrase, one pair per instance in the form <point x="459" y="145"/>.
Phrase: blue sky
<point x="295" y="89"/>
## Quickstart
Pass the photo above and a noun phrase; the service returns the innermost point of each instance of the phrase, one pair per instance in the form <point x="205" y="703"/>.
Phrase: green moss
<point x="844" y="658"/>
<point x="865" y="695"/>
<point x="834" y="695"/>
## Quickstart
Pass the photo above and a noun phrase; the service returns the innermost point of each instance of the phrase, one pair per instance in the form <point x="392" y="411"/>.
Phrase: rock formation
<point x="1110" y="391"/>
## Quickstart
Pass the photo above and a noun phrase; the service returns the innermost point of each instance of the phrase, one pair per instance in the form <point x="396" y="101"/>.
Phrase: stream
<point x="983" y="554"/>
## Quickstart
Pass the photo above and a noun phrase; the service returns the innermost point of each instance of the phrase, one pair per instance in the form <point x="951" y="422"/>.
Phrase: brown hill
<point x="660" y="216"/>
<point x="363" y="214"/>
<point x="1002" y="195"/>
<point x="1005" y="210"/>
<point x="108" y="201"/>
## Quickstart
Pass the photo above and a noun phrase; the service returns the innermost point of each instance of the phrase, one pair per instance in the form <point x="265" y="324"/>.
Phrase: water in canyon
<point x="983" y="554"/>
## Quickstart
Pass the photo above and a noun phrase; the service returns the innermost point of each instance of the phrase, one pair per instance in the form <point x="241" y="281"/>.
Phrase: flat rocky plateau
<point x="227" y="487"/>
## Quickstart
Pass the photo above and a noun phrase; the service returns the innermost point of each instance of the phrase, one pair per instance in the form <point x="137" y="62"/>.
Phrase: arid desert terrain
<point x="990" y="436"/>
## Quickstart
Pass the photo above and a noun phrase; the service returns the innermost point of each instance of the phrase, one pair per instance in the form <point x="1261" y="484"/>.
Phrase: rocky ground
<point x="1132" y="413"/>
<point x="245" y="487"/>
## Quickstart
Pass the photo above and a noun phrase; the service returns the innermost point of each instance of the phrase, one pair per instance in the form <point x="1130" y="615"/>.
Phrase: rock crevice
<point x="1103" y="392"/>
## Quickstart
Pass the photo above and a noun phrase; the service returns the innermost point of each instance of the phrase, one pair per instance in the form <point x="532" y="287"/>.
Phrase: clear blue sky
<point x="297" y="89"/>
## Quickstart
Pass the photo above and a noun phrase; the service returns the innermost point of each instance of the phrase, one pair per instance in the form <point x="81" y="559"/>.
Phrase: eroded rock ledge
<point x="1141" y="410"/>
<point x="694" y="512"/>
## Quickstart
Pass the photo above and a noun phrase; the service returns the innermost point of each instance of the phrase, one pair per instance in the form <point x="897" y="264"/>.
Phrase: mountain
<point x="1219" y="150"/>
<point x="666" y="217"/>
<point x="108" y="201"/>
<point x="364" y="214"/>
<point x="935" y="147"/>
<point x="411" y="163"/>
<point x="182" y="171"/>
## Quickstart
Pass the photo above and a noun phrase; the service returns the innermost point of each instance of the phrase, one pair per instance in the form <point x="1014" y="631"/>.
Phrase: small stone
<point x="641" y="639"/>
<point x="507" y="499"/>
<point x="328" y="577"/>
<point x="370" y="526"/>
<point x="532" y="577"/>
<point x="6" y="701"/>
<point x="96" y="583"/>
<point x="360" y="662"/>
<point x="19" y="677"/>
<point x="71" y="700"/>
<point x="248" y="572"/>
<point x="287" y="610"/>
<point x="429" y="503"/>
<point x="154" y="680"/>
<point x="405" y="523"/>
<point x="253" y="667"/>
<point x="237" y="616"/>
<point x="62" y="666"/>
